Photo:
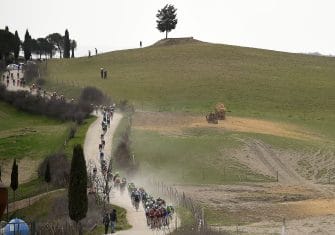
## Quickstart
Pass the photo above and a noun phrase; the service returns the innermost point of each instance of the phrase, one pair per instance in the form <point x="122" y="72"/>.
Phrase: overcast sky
<point x="284" y="25"/>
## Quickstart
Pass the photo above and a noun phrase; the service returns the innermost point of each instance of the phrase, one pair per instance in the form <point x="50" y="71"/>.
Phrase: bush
<point x="72" y="132"/>
<point x="55" y="108"/>
<point x="123" y="154"/>
<point x="59" y="169"/>
<point x="92" y="95"/>
<point x="124" y="106"/>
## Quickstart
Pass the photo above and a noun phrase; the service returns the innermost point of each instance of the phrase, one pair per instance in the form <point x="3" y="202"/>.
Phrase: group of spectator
<point x="110" y="220"/>
<point x="16" y="80"/>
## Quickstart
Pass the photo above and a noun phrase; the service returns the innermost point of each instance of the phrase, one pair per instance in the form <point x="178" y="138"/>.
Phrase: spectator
<point x="113" y="220"/>
<point x="102" y="72"/>
<point x="105" y="74"/>
<point x="106" y="222"/>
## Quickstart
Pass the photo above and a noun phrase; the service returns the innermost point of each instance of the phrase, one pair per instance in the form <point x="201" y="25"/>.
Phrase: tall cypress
<point x="77" y="193"/>
<point x="27" y="45"/>
<point x="47" y="175"/>
<point x="17" y="44"/>
<point x="67" y="45"/>
<point x="14" y="178"/>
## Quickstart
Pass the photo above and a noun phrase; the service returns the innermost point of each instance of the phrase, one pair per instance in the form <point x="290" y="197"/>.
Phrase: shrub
<point x="92" y="95"/>
<point x="72" y="132"/>
<point x="59" y="169"/>
<point x="55" y="108"/>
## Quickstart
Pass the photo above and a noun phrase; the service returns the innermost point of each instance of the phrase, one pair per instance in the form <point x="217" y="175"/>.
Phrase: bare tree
<point x="100" y="182"/>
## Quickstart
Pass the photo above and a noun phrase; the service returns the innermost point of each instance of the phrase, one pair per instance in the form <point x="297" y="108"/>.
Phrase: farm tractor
<point x="218" y="114"/>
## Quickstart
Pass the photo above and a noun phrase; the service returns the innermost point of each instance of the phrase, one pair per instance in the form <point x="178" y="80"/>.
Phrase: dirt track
<point x="135" y="218"/>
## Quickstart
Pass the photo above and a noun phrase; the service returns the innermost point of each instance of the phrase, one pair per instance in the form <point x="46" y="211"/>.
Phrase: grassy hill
<point x="189" y="76"/>
<point x="193" y="76"/>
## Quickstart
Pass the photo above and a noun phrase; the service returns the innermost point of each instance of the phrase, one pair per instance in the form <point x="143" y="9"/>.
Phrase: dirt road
<point x="135" y="218"/>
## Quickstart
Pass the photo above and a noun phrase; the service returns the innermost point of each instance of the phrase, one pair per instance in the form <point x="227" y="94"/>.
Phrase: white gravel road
<point x="135" y="218"/>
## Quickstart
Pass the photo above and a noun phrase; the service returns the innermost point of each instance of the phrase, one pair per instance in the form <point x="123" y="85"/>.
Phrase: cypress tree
<point x="77" y="193"/>
<point x="17" y="44"/>
<point x="14" y="178"/>
<point x="27" y="45"/>
<point x="67" y="45"/>
<point x="47" y="175"/>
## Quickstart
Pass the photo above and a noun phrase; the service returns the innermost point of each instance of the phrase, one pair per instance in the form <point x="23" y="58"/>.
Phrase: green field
<point x="30" y="138"/>
<point x="24" y="135"/>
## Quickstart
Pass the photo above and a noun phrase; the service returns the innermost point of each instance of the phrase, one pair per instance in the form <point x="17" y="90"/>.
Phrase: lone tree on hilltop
<point x="14" y="178"/>
<point x="77" y="193"/>
<point x="67" y="45"/>
<point x="167" y="19"/>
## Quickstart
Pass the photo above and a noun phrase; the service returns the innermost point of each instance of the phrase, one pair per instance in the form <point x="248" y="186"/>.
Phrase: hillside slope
<point x="194" y="76"/>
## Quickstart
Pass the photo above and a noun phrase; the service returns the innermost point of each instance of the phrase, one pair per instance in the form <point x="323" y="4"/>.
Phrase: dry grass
<point x="175" y="123"/>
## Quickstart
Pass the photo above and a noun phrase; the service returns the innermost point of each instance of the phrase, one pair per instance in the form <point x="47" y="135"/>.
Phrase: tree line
<point x="11" y="44"/>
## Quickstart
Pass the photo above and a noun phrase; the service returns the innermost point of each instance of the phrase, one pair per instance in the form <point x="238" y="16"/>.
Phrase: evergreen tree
<point x="14" y="178"/>
<point x="17" y="43"/>
<point x="67" y="45"/>
<point x="77" y="192"/>
<point x="47" y="175"/>
<point x="167" y="19"/>
<point x="56" y="40"/>
<point x="27" y="45"/>
<point x="6" y="44"/>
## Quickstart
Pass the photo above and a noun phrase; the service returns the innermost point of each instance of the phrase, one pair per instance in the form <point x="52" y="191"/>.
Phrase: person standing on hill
<point x="96" y="51"/>
<point x="113" y="220"/>
<point x="140" y="44"/>
<point x="106" y="222"/>
<point x="105" y="74"/>
<point x="102" y="72"/>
